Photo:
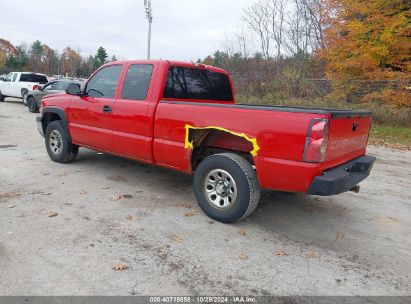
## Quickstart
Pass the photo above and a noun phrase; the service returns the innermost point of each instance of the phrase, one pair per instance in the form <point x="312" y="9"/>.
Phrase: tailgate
<point x="348" y="136"/>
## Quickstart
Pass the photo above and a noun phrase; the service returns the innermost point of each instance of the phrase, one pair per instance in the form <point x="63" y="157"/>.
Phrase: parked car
<point x="34" y="97"/>
<point x="19" y="84"/>
<point x="183" y="116"/>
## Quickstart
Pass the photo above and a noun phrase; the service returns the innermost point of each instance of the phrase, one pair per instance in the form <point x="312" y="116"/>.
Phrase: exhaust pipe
<point x="355" y="189"/>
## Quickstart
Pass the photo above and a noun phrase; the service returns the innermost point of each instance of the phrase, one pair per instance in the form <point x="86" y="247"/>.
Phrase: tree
<point x="87" y="67"/>
<point x="100" y="58"/>
<point x="70" y="62"/>
<point x="36" y="52"/>
<point x="114" y="58"/>
<point x="3" y="60"/>
<point x="258" y="20"/>
<point x="369" y="41"/>
<point x="50" y="61"/>
<point x="19" y="60"/>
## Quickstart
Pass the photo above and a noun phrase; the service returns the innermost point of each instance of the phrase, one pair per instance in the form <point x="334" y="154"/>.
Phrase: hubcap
<point x="220" y="189"/>
<point x="55" y="142"/>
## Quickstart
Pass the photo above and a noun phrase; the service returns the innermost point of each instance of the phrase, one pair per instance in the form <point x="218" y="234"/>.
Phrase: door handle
<point x="107" y="109"/>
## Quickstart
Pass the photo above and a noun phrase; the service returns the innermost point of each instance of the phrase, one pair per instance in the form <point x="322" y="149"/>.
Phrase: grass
<point x="397" y="137"/>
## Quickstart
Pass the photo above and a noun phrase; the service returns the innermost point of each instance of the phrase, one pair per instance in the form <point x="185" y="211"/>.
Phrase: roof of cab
<point x="171" y="62"/>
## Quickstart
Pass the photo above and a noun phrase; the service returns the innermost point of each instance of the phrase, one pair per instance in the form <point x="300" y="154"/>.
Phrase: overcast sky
<point x="182" y="29"/>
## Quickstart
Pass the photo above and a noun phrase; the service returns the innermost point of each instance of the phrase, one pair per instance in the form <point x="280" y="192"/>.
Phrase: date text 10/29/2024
<point x="205" y="299"/>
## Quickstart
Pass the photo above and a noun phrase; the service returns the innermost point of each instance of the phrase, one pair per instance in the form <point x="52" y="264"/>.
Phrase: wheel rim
<point x="220" y="189"/>
<point x="25" y="98"/>
<point x="55" y="142"/>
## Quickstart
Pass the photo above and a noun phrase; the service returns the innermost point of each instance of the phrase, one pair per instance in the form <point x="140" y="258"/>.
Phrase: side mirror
<point x="1" y="78"/>
<point x="40" y="88"/>
<point x="74" y="89"/>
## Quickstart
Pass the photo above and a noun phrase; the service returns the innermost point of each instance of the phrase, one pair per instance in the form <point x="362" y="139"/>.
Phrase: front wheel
<point x="1" y="97"/>
<point x="226" y="187"/>
<point x="58" y="145"/>
<point x="32" y="105"/>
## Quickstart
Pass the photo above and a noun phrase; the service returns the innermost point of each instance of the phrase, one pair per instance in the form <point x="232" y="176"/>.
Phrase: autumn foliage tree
<point x="70" y="61"/>
<point x="370" y="40"/>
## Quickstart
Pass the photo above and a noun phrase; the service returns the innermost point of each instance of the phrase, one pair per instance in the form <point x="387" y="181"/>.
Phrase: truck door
<point x="14" y="86"/>
<point x="132" y="132"/>
<point x="90" y="117"/>
<point x="6" y="91"/>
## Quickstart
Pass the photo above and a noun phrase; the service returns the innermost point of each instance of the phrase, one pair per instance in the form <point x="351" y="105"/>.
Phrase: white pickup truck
<point x="18" y="84"/>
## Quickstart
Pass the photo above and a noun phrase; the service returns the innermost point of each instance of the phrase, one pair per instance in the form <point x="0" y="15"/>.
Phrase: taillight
<point x="316" y="143"/>
<point x="35" y="87"/>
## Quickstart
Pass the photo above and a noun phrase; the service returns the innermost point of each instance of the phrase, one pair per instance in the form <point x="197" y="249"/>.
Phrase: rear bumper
<point x="342" y="178"/>
<point x="40" y="124"/>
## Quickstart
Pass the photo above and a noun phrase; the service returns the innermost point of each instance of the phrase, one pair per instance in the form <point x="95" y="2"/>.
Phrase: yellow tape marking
<point x="189" y="144"/>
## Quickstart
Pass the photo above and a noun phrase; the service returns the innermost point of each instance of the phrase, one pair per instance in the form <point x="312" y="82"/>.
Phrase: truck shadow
<point x="301" y="218"/>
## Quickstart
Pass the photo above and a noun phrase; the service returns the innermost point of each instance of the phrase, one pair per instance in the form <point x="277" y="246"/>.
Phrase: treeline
<point x="345" y="50"/>
<point x="40" y="58"/>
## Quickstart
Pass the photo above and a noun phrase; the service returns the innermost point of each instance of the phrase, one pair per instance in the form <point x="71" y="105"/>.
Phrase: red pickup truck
<point x="183" y="116"/>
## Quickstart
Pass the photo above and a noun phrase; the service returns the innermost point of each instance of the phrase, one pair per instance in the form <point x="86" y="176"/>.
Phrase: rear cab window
<point x="197" y="84"/>
<point x="33" y="78"/>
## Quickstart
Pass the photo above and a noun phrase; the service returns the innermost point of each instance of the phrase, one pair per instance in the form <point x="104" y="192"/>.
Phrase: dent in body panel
<point x="190" y="144"/>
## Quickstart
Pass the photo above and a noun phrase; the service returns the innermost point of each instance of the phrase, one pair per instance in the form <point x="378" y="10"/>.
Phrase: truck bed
<point x="293" y="109"/>
<point x="280" y="131"/>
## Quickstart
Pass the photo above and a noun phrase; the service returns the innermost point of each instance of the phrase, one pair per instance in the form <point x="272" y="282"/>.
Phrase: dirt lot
<point x="351" y="244"/>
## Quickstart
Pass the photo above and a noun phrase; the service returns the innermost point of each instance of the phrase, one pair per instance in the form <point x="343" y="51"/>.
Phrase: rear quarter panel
<point x="280" y="135"/>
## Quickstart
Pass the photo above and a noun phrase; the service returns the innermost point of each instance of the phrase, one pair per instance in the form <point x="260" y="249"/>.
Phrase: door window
<point x="137" y="81"/>
<point x="9" y="77"/>
<point x="61" y="85"/>
<point x="49" y="87"/>
<point x="104" y="82"/>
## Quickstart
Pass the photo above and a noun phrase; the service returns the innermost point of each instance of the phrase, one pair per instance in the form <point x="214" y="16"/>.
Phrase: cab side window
<point x="15" y="77"/>
<point x="104" y="83"/>
<point x="137" y="81"/>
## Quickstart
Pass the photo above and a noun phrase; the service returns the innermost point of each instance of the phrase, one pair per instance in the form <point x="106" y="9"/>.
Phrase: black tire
<point x="24" y="94"/>
<point x="2" y="97"/>
<point x="247" y="189"/>
<point x="64" y="152"/>
<point x="32" y="105"/>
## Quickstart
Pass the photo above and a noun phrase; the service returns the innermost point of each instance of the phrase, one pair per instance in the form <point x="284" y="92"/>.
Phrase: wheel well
<point x="48" y="118"/>
<point x="24" y="90"/>
<point x="206" y="142"/>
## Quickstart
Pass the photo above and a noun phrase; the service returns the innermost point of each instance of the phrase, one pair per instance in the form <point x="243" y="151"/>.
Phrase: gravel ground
<point x="112" y="211"/>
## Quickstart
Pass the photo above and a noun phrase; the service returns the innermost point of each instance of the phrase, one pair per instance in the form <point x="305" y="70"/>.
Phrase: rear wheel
<point x="58" y="145"/>
<point x="32" y="105"/>
<point x="226" y="187"/>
